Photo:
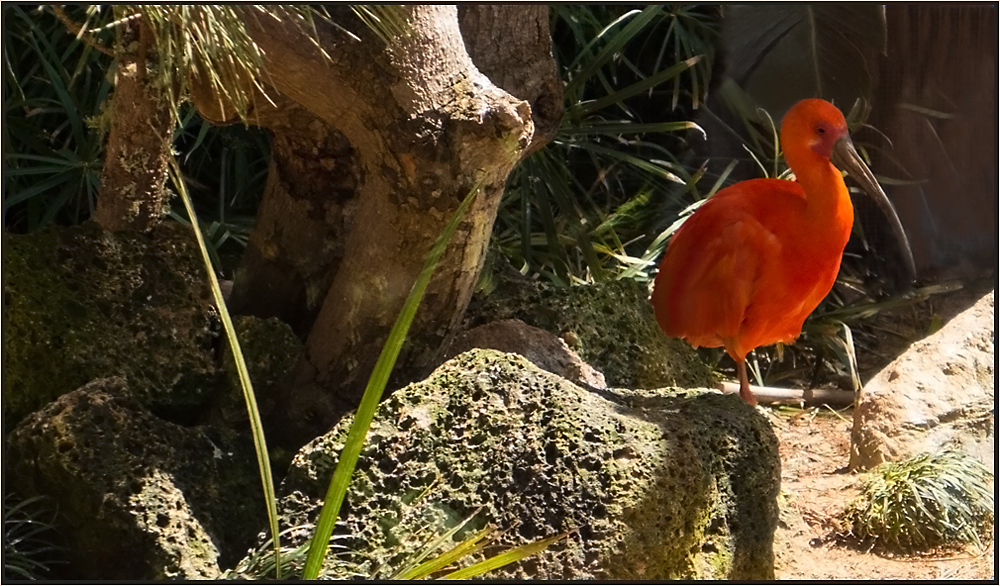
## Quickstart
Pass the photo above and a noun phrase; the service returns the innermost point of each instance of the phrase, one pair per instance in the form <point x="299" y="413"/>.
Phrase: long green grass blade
<point x="419" y="568"/>
<point x="508" y="557"/>
<point x="470" y="545"/>
<point x="373" y="393"/>
<point x="257" y="428"/>
<point x="617" y="128"/>
<point x="36" y="188"/>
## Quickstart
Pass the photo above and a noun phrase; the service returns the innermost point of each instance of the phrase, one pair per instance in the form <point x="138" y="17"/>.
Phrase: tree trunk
<point x="425" y="126"/>
<point x="512" y="45"/>
<point x="305" y="215"/>
<point x="133" y="193"/>
<point x="297" y="243"/>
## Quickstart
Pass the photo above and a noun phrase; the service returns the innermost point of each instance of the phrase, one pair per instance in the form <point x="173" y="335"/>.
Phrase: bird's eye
<point x="820" y="130"/>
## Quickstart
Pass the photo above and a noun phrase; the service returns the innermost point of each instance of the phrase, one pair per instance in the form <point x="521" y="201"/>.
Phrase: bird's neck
<point x="827" y="199"/>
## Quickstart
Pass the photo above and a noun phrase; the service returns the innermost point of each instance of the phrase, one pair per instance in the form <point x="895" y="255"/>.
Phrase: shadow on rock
<point x="652" y="484"/>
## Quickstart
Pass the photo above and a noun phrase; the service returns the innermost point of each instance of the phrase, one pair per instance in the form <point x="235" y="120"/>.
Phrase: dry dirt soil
<point x="815" y="450"/>
<point x="815" y="489"/>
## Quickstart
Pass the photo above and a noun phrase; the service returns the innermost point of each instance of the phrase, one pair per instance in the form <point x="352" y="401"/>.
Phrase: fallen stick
<point x="768" y="395"/>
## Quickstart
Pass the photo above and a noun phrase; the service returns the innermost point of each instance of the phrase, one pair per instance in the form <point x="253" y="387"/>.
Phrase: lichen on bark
<point x="133" y="193"/>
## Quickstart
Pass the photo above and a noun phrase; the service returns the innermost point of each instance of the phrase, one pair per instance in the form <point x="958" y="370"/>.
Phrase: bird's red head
<point x="815" y="124"/>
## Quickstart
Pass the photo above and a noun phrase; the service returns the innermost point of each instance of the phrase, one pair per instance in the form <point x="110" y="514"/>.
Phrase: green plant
<point x="928" y="501"/>
<point x="53" y="144"/>
<point x="27" y="549"/>
<point x="435" y="558"/>
<point x="431" y="561"/>
<point x="259" y="563"/>
<point x="578" y="209"/>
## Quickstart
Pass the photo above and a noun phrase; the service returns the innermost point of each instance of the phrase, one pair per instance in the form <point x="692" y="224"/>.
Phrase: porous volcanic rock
<point x="139" y="498"/>
<point x="82" y="303"/>
<point x="656" y="484"/>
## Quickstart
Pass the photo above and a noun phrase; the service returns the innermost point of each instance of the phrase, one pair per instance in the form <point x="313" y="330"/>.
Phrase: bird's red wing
<point x="713" y="267"/>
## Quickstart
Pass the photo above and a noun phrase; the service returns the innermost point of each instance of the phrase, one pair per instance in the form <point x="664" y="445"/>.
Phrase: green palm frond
<point x="579" y="209"/>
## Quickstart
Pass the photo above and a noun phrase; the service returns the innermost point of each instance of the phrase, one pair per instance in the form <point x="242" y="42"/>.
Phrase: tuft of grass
<point x="259" y="563"/>
<point x="210" y="42"/>
<point x="27" y="552"/>
<point x="439" y="553"/>
<point x="929" y="501"/>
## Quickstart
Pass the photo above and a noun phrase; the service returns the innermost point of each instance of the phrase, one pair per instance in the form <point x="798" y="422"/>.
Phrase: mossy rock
<point x="610" y="324"/>
<point x="139" y="498"/>
<point x="653" y="485"/>
<point x="270" y="349"/>
<point x="82" y="303"/>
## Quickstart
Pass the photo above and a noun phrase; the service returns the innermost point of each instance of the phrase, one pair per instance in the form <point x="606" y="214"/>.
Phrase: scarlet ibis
<point x="748" y="267"/>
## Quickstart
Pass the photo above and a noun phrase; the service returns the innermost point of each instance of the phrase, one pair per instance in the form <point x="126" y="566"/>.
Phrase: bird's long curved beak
<point x="846" y="157"/>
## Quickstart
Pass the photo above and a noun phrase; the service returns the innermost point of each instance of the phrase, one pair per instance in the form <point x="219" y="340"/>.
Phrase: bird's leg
<point x="741" y="366"/>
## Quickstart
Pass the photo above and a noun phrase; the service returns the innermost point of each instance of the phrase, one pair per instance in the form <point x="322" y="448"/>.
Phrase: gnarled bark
<point x="298" y="241"/>
<point x="305" y="215"/>
<point x="133" y="195"/>
<point x="512" y="45"/>
<point x="426" y="125"/>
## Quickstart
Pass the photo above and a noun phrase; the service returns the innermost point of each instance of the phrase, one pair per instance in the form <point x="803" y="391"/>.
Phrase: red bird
<point x="748" y="267"/>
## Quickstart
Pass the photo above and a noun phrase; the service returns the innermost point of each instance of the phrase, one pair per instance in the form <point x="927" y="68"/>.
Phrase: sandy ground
<point x="815" y="488"/>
